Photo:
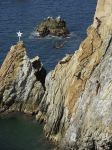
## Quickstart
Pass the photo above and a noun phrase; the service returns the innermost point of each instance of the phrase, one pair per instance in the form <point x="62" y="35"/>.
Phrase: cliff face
<point x="77" y="104"/>
<point x="21" y="81"/>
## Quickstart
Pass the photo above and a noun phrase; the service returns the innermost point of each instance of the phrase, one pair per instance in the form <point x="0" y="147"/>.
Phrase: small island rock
<point x="53" y="26"/>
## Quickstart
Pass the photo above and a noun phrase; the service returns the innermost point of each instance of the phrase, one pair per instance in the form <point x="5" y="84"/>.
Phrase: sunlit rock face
<point x="21" y="83"/>
<point x="77" y="104"/>
<point x="104" y="9"/>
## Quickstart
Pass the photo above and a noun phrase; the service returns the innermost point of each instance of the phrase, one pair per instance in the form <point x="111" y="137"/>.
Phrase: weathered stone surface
<point x="91" y="121"/>
<point x="51" y="26"/>
<point x="21" y="81"/>
<point x="77" y="104"/>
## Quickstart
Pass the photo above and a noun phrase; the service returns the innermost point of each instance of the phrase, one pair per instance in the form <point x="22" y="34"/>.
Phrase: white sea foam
<point x="35" y="35"/>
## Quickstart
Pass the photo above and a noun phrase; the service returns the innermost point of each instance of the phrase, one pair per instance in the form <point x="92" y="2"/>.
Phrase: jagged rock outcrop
<point x="21" y="81"/>
<point x="77" y="105"/>
<point x="52" y="26"/>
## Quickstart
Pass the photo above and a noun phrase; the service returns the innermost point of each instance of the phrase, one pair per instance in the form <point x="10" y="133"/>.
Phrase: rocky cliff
<point x="77" y="105"/>
<point x="21" y="81"/>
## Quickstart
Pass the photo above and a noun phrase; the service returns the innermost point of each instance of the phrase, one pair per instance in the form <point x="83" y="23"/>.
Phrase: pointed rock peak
<point x="20" y="44"/>
<point x="11" y="63"/>
<point x="14" y="56"/>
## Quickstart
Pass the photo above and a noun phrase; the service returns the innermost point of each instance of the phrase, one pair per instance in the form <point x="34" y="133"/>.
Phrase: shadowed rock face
<point x="51" y="26"/>
<point x="21" y="84"/>
<point x="77" y="105"/>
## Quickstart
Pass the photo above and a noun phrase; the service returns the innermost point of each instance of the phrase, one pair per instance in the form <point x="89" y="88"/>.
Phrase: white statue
<point x="19" y="35"/>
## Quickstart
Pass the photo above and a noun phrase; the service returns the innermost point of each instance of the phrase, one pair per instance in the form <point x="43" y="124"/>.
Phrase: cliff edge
<point x="77" y="104"/>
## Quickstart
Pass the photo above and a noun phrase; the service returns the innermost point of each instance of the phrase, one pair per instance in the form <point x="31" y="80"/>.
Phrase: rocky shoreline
<point x="74" y="100"/>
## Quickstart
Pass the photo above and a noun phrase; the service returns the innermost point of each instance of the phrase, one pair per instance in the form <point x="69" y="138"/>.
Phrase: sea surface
<point x="21" y="132"/>
<point x="25" y="15"/>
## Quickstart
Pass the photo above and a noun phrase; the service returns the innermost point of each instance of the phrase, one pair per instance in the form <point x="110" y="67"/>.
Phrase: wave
<point x="35" y="35"/>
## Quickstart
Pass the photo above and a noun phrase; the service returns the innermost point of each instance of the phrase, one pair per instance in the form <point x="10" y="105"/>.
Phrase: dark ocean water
<point x="24" y="15"/>
<point x="19" y="132"/>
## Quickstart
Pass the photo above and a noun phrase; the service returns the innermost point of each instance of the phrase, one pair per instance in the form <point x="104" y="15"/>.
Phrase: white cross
<point x="19" y="35"/>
